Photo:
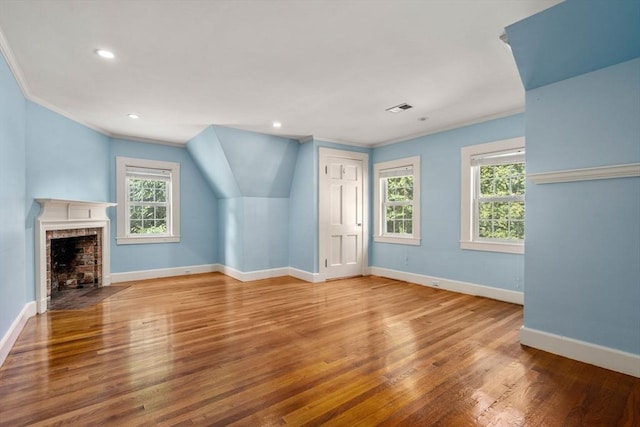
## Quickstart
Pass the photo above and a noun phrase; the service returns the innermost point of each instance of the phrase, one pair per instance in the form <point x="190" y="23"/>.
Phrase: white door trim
<point x="323" y="211"/>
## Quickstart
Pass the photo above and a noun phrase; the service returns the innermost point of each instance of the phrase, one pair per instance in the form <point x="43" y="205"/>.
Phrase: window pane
<point x="502" y="219"/>
<point x="486" y="180"/>
<point x="389" y="226"/>
<point x="400" y="188"/>
<point x="135" y="226"/>
<point x="136" y="190"/>
<point x="517" y="230"/>
<point x="502" y="180"/>
<point x="517" y="185"/>
<point x="485" y="229"/>
<point x="486" y="210"/>
<point x="148" y="220"/>
<point x="135" y="212"/>
<point x="399" y="219"/>
<point x="516" y="211"/>
<point x="160" y="195"/>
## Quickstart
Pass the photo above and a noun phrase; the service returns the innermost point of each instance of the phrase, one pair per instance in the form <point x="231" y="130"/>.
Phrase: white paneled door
<point x="342" y="213"/>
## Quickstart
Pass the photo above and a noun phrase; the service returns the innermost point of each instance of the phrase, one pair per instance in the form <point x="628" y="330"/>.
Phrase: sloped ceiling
<point x="323" y="68"/>
<point x="240" y="163"/>
<point x="573" y="38"/>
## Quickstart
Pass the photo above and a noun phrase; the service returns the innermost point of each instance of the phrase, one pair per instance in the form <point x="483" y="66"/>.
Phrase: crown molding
<point x="146" y="140"/>
<point x="340" y="141"/>
<point x="7" y="52"/>
<point x="453" y="126"/>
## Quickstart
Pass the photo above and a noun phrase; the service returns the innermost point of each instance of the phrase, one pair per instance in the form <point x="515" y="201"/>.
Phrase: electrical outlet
<point x="435" y="283"/>
<point x="187" y="271"/>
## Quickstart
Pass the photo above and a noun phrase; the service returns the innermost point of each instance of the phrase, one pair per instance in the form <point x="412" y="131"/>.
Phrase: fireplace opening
<point x="74" y="260"/>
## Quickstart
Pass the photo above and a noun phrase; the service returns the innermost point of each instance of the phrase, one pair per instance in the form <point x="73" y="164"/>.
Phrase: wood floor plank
<point x="209" y="350"/>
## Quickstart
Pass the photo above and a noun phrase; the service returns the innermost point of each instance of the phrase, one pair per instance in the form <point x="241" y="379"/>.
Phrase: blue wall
<point x="198" y="214"/>
<point x="45" y="155"/>
<point x="574" y="37"/>
<point x="262" y="164"/>
<point x="580" y="64"/>
<point x="65" y="160"/>
<point x="583" y="238"/>
<point x="266" y="233"/>
<point x="252" y="174"/>
<point x="439" y="254"/>
<point x="303" y="226"/>
<point x="206" y="150"/>
<point x="13" y="293"/>
<point x="303" y="203"/>
<point x="582" y="249"/>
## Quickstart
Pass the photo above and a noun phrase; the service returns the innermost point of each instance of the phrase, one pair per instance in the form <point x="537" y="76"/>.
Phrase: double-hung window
<point x="148" y="201"/>
<point x="397" y="201"/>
<point x="493" y="202"/>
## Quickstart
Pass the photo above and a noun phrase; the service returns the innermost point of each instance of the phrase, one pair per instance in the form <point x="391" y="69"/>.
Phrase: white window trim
<point x="414" y="162"/>
<point x="467" y="240"/>
<point x="121" y="178"/>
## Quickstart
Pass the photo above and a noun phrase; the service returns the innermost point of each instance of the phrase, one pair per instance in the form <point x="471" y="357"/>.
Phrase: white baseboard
<point x="306" y="275"/>
<point x="594" y="354"/>
<point x="246" y="276"/>
<point x="243" y="276"/>
<point x="506" y="295"/>
<point x="28" y="311"/>
<point x="164" y="272"/>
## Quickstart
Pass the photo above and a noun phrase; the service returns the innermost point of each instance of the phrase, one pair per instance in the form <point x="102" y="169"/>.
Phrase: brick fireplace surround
<point x="65" y="219"/>
<point x="74" y="259"/>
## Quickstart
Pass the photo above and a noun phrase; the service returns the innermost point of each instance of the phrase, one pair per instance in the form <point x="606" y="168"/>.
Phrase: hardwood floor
<point x="209" y="350"/>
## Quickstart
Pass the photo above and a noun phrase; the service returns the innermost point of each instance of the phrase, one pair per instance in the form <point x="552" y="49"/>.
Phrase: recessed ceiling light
<point x="277" y="125"/>
<point x="133" y="116"/>
<point x="107" y="54"/>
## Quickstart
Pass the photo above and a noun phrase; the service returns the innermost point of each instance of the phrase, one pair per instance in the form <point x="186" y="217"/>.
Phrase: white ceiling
<point x="323" y="68"/>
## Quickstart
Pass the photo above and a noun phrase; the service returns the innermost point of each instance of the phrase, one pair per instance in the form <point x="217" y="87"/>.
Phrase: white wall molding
<point x="505" y="295"/>
<point x="7" y="341"/>
<point x="7" y="52"/>
<point x="59" y="214"/>
<point x="306" y="275"/>
<point x="594" y="354"/>
<point x="243" y="276"/>
<point x="164" y="272"/>
<point x="586" y="174"/>
<point x="247" y="276"/>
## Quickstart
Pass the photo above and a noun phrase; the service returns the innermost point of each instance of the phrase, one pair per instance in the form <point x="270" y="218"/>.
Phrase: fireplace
<point x="71" y="247"/>
<point x="74" y="259"/>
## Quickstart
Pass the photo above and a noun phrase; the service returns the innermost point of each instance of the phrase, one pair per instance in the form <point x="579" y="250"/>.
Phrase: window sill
<point x="415" y="241"/>
<point x="147" y="239"/>
<point x="508" y="248"/>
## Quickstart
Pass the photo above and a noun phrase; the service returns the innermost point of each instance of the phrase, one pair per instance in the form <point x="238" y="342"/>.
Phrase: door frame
<point x="323" y="206"/>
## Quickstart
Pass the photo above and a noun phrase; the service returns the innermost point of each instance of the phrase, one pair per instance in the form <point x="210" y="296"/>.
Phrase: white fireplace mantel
<point x="58" y="214"/>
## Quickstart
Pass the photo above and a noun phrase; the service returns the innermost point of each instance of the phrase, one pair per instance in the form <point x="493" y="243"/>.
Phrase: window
<point x="397" y="201"/>
<point x="148" y="201"/>
<point x="493" y="189"/>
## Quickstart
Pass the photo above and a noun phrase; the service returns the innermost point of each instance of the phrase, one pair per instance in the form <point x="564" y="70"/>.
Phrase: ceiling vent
<point x="399" y="107"/>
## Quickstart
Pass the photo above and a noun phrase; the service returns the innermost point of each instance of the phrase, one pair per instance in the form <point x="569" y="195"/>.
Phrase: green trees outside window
<point x="147" y="206"/>
<point x="399" y="204"/>
<point x="501" y="201"/>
